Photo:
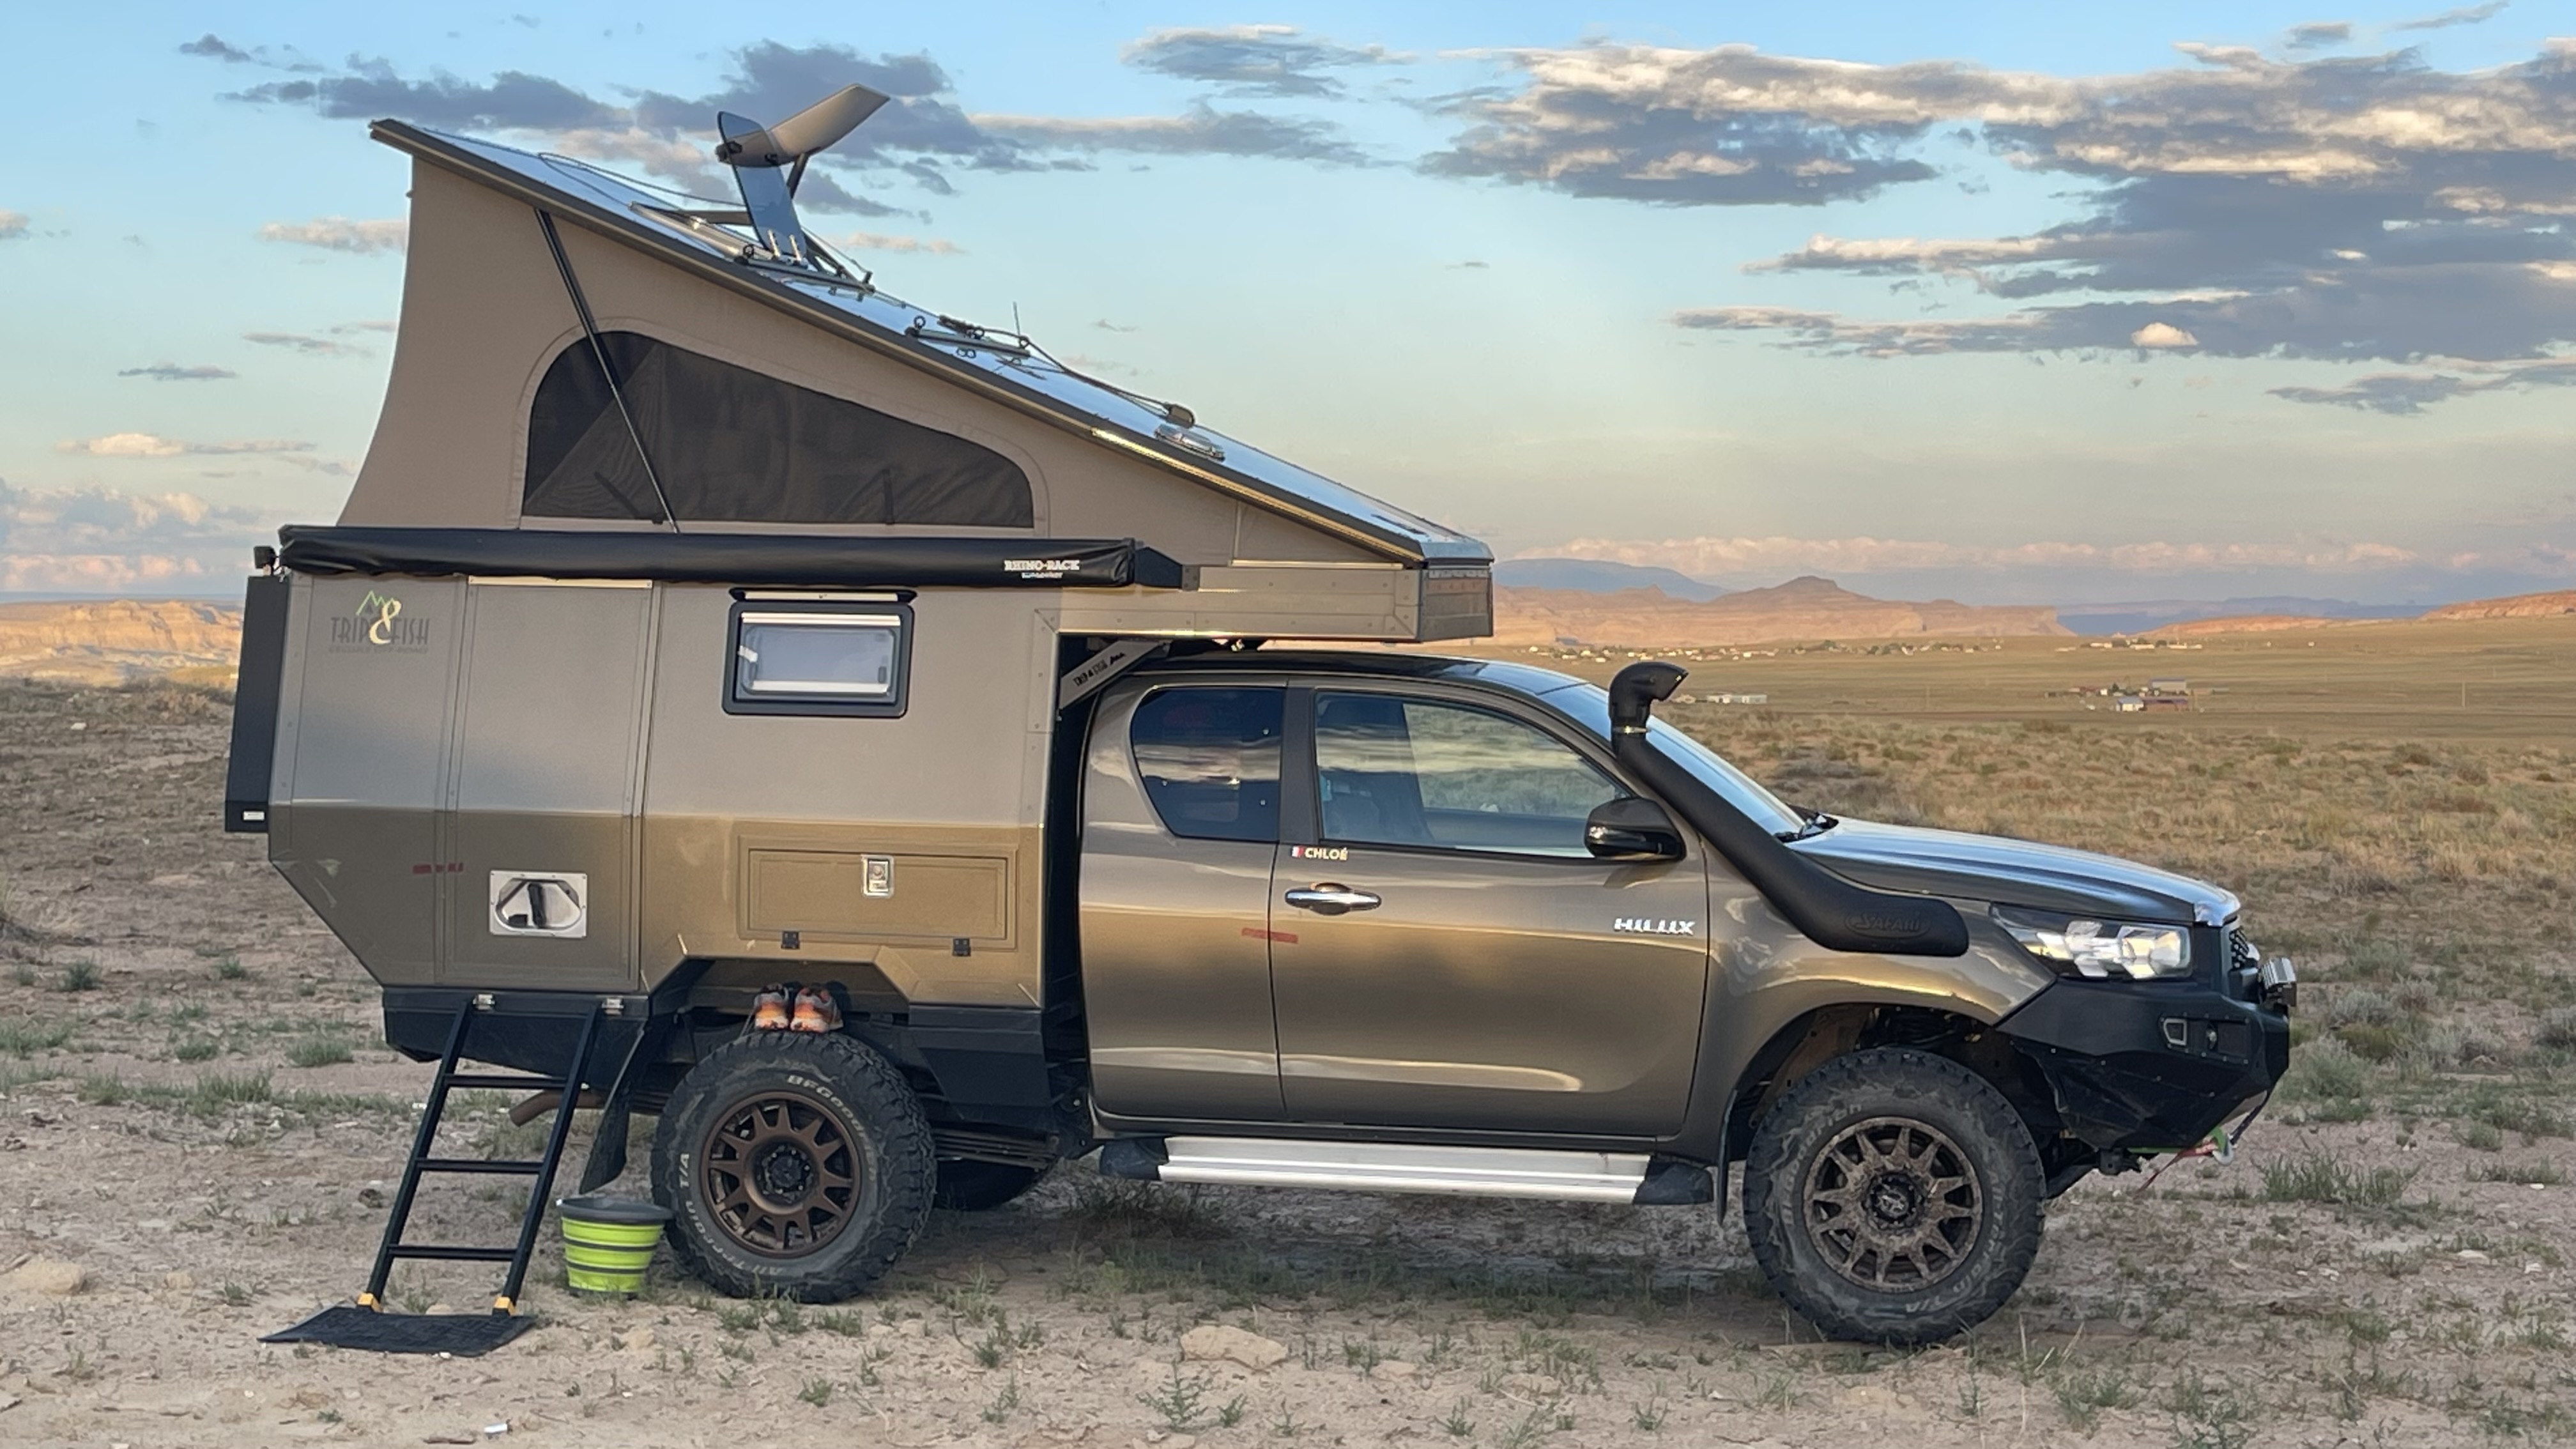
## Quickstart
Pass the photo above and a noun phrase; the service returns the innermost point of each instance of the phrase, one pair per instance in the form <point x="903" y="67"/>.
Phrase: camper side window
<point x="819" y="658"/>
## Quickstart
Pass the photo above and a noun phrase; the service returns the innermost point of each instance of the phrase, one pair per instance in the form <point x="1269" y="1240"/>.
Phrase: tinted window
<point x="728" y="443"/>
<point x="1210" y="760"/>
<point x="818" y="658"/>
<point x="1393" y="771"/>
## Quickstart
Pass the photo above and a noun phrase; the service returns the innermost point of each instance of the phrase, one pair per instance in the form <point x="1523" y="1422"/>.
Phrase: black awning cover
<point x="729" y="558"/>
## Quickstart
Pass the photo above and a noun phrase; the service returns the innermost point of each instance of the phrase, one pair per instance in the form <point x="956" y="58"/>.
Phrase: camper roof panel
<point x="654" y="219"/>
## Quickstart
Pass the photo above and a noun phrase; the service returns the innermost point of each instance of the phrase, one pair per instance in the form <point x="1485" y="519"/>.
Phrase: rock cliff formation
<point x="2517" y="606"/>
<point x="118" y="641"/>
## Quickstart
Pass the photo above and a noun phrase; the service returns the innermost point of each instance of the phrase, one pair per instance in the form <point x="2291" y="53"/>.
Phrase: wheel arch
<point x="1827" y="1032"/>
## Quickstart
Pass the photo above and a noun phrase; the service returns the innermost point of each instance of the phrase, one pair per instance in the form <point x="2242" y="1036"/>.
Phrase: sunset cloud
<point x="102" y="540"/>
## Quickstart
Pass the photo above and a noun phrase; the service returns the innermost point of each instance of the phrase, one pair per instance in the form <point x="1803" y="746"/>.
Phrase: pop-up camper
<point x="706" y="619"/>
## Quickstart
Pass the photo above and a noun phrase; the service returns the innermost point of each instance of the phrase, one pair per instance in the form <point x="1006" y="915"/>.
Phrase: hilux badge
<point x="1643" y="926"/>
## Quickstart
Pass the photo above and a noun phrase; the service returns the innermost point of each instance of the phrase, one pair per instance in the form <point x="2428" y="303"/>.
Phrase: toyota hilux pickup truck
<point x="904" y="762"/>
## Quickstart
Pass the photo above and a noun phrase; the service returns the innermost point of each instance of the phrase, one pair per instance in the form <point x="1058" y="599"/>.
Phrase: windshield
<point x="1589" y="704"/>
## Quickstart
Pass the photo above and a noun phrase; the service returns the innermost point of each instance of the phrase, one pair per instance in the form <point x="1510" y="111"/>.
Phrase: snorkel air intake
<point x="1829" y="910"/>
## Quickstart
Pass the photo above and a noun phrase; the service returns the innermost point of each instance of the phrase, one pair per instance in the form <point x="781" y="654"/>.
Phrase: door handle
<point x="1329" y="899"/>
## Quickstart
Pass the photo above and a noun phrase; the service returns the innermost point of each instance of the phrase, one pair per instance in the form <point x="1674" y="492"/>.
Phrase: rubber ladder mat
<point x="466" y="1335"/>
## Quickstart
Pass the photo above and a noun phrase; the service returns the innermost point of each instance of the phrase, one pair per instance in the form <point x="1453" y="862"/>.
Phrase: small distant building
<point x="2168" y="694"/>
<point x="2128" y="703"/>
<point x="1738" y="698"/>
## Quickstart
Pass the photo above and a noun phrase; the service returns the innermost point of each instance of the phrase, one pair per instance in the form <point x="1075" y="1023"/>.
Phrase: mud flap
<point x="607" y="1160"/>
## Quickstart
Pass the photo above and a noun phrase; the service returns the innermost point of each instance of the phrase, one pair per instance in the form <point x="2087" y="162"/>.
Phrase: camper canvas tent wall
<point x="705" y="618"/>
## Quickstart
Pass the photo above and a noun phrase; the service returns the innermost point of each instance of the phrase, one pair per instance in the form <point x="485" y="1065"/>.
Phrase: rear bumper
<point x="2148" y="1067"/>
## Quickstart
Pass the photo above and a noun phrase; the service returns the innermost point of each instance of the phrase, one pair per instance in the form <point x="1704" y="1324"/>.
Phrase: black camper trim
<point x="730" y="558"/>
<point x="255" y="691"/>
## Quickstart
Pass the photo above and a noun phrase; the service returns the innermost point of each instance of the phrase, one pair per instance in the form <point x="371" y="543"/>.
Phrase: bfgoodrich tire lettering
<point x="1893" y="1197"/>
<point x="850" y="1165"/>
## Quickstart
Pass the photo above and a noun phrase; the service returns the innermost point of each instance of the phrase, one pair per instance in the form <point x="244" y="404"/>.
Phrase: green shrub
<point x="2322" y="1177"/>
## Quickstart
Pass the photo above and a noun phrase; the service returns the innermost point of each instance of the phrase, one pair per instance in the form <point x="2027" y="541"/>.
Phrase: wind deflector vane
<point x="756" y="152"/>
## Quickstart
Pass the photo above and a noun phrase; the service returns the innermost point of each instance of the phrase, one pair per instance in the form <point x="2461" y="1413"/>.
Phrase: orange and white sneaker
<point x="769" y="1010"/>
<point x="816" y="1011"/>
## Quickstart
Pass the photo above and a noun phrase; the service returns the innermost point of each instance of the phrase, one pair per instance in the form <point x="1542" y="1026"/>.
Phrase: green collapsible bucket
<point x="608" y="1241"/>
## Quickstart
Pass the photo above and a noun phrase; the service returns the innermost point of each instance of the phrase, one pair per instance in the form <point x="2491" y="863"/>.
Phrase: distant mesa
<point x="119" y="641"/>
<point x="1600" y="576"/>
<point x="2552" y="604"/>
<point x="2517" y="606"/>
<point x="2145" y="616"/>
<point x="1803" y="608"/>
<point x="2246" y="624"/>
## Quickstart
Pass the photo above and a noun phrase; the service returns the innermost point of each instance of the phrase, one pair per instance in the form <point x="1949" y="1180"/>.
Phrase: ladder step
<point x="448" y="1253"/>
<point x="477" y="1164"/>
<point x="511" y="1083"/>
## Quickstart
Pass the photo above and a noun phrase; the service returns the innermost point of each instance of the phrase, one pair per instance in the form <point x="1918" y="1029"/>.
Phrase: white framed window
<point x="819" y="657"/>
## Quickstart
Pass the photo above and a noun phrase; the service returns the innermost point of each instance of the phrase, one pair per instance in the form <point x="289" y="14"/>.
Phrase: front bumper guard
<point x="2147" y="1067"/>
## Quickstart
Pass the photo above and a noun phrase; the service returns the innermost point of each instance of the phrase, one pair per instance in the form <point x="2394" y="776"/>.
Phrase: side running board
<point x="1625" y="1177"/>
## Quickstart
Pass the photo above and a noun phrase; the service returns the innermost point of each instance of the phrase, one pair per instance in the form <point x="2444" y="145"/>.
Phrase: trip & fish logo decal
<point x="378" y="623"/>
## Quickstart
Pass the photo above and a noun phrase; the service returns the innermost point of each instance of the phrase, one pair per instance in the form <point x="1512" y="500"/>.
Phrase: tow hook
<point x="2219" y="1147"/>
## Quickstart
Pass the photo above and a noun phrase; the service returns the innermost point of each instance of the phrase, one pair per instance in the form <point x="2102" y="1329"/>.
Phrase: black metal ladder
<point x="542" y="1169"/>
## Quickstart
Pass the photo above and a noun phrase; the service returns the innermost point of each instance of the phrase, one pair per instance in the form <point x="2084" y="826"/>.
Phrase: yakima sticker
<point x="1041" y="568"/>
<point x="1641" y="926"/>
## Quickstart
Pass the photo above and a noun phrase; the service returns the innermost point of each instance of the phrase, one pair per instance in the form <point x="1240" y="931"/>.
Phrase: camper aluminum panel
<point x="759" y="830"/>
<point x="356" y="823"/>
<point x="548" y="763"/>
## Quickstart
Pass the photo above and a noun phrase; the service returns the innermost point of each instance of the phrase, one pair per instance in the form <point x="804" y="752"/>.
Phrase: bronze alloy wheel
<point x="782" y="1173"/>
<point x="1892" y="1204"/>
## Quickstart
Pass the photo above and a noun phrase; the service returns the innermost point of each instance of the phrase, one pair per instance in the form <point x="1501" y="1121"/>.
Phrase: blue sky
<point x="2018" y="302"/>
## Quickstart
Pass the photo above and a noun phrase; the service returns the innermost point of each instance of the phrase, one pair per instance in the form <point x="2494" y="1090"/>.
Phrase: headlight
<point x="2103" y="950"/>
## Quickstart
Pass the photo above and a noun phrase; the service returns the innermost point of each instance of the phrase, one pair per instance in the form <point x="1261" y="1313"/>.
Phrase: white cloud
<point x="301" y="342"/>
<point x="2162" y="335"/>
<point x="153" y="445"/>
<point x="340" y="234"/>
<point x="99" y="539"/>
<point x="870" y="241"/>
<point x="685" y="162"/>
<point x="13" y="224"/>
<point x="1708" y="557"/>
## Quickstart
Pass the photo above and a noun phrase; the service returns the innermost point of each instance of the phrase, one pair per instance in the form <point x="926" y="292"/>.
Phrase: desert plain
<point x="199" y="1125"/>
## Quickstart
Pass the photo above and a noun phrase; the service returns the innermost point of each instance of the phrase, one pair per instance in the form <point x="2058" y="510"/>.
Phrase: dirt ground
<point x="198" y="1125"/>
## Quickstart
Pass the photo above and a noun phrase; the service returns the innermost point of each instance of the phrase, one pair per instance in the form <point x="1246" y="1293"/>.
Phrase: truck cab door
<point x="1181" y="794"/>
<point x="1446" y="951"/>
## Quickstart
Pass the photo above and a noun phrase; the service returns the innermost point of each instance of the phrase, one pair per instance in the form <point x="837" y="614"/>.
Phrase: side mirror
<point x="1632" y="828"/>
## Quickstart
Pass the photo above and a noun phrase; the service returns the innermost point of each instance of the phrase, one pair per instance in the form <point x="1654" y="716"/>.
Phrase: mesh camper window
<point x="731" y="445"/>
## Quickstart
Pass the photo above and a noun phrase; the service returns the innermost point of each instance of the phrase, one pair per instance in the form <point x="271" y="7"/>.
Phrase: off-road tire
<point x="1975" y="1125"/>
<point x="973" y="1187"/>
<point x="887" y="1141"/>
